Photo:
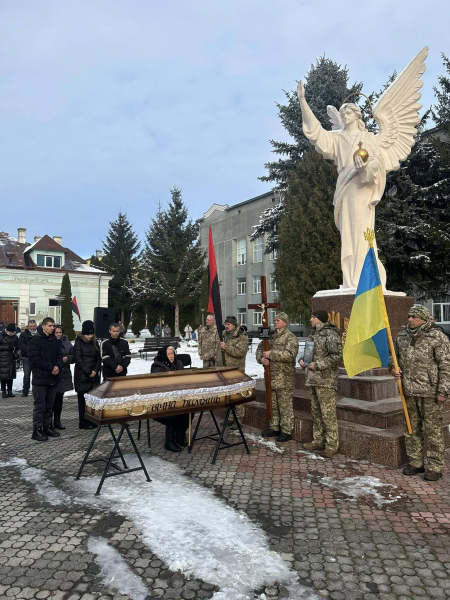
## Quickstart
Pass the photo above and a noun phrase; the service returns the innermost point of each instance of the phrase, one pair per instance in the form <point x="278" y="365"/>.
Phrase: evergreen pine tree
<point x="441" y="114"/>
<point x="309" y="242"/>
<point x="172" y="261"/>
<point x="120" y="260"/>
<point x="95" y="261"/>
<point x="66" y="309"/>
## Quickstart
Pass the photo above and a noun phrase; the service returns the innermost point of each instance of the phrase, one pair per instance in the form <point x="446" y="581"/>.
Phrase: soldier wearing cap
<point x="235" y="348"/>
<point x="281" y="357"/>
<point x="322" y="378"/>
<point x="423" y="354"/>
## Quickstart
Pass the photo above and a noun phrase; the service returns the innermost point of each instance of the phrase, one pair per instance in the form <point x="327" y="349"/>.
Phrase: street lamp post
<point x="203" y="316"/>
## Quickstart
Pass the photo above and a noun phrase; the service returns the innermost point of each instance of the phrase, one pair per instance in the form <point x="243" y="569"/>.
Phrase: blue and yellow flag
<point x="366" y="345"/>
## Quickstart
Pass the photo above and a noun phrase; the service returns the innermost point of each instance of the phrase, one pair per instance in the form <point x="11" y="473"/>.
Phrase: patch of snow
<point x="114" y="571"/>
<point x="37" y="477"/>
<point x="257" y="439"/>
<point x="311" y="455"/>
<point x="193" y="531"/>
<point x="363" y="488"/>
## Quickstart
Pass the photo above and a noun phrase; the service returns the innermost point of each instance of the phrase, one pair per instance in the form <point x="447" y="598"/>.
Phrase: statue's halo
<point x="368" y="100"/>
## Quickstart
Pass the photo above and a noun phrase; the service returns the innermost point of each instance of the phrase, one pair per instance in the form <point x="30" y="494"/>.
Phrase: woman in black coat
<point x="87" y="368"/>
<point x="8" y="354"/>
<point x="176" y="426"/>
<point x="65" y="383"/>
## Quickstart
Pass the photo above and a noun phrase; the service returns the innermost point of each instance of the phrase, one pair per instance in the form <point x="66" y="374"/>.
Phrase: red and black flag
<point x="74" y="307"/>
<point x="214" y="306"/>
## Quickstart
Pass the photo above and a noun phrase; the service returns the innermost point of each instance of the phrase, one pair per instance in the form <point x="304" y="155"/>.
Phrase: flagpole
<point x="369" y="237"/>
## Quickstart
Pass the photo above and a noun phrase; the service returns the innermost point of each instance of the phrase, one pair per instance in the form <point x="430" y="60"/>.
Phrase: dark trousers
<point x="81" y="407"/>
<point x="57" y="407"/>
<point x="26" y="374"/>
<point x="7" y="383"/>
<point x="44" y="396"/>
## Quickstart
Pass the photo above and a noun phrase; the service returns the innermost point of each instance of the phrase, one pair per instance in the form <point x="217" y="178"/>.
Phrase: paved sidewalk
<point x="350" y="530"/>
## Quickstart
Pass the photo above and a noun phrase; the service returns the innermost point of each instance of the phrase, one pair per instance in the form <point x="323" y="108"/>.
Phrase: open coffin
<point x="120" y="399"/>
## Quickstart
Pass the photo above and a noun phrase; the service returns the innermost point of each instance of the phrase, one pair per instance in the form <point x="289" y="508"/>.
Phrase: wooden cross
<point x="265" y="321"/>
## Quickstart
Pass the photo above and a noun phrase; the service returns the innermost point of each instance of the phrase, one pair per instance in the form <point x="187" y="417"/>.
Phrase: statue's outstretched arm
<point x="309" y="119"/>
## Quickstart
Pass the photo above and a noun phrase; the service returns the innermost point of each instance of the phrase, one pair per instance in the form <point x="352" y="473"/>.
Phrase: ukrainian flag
<point x="366" y="345"/>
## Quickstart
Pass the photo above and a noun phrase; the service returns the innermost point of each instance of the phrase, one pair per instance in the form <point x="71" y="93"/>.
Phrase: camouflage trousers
<point x="240" y="413"/>
<point x="282" y="410"/>
<point x="323" y="411"/>
<point x="211" y="362"/>
<point x="425" y="415"/>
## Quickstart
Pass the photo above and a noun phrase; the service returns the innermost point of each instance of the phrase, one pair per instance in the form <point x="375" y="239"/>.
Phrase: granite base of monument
<point x="370" y="416"/>
<point x="397" y="308"/>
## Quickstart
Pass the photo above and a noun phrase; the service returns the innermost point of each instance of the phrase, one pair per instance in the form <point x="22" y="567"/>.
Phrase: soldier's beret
<point x="419" y="311"/>
<point x="282" y="316"/>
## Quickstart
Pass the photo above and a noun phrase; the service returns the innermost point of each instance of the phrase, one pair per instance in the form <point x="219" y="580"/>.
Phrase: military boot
<point x="410" y="470"/>
<point x="312" y="446"/>
<point x="50" y="432"/>
<point x="328" y="453"/>
<point x="284" y="437"/>
<point x="432" y="476"/>
<point x="39" y="435"/>
<point x="270" y="433"/>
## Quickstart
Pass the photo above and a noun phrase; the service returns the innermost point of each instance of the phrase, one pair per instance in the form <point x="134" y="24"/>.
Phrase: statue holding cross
<point x="278" y="357"/>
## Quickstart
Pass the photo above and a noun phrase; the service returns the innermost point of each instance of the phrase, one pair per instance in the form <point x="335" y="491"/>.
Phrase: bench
<point x="156" y="343"/>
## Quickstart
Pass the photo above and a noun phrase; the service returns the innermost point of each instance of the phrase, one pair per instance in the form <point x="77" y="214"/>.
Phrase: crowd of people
<point x="422" y="348"/>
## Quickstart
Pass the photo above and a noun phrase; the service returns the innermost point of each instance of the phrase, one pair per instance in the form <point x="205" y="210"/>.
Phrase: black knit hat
<point x="320" y="314"/>
<point x="87" y="328"/>
<point x="11" y="327"/>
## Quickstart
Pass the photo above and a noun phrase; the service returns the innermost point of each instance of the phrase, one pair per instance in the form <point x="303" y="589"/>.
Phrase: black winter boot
<point x="180" y="437"/>
<point x="4" y="395"/>
<point x="10" y="394"/>
<point x="58" y="425"/>
<point x="170" y="444"/>
<point x="50" y="432"/>
<point x="39" y="435"/>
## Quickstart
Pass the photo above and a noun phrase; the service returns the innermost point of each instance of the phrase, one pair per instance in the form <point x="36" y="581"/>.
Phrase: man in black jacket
<point x="115" y="354"/>
<point x="45" y="355"/>
<point x="24" y="338"/>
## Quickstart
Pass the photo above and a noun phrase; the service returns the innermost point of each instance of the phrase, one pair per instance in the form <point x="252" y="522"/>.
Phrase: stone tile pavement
<point x="388" y="542"/>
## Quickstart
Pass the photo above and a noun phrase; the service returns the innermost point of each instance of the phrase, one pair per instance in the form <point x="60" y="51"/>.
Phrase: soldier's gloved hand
<point x="441" y="399"/>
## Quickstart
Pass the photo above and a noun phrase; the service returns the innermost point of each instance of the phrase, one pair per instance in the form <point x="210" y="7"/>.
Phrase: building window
<point x="273" y="284"/>
<point x="257" y="317"/>
<point x="258" y="246"/>
<point x="256" y="284"/>
<point x="242" y="251"/>
<point x="32" y="306"/>
<point x="441" y="310"/>
<point x="242" y="316"/>
<point x="274" y="254"/>
<point x="272" y="316"/>
<point x="241" y="286"/>
<point x="54" y="262"/>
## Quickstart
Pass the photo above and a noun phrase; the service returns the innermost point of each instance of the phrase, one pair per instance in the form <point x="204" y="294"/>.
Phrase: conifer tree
<point x="172" y="261"/>
<point x="309" y="242"/>
<point x="120" y="260"/>
<point x="66" y="308"/>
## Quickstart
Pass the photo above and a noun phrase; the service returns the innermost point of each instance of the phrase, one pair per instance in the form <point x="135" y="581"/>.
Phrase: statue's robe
<point x="357" y="193"/>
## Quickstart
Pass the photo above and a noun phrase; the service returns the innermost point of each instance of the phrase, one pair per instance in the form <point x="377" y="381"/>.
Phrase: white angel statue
<point x="360" y="184"/>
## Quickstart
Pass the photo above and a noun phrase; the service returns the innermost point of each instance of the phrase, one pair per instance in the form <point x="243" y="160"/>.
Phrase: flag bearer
<point x="322" y="378"/>
<point x="235" y="347"/>
<point x="423" y="354"/>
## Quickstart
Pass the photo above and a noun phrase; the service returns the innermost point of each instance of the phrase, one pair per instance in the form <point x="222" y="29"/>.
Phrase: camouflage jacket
<point x="208" y="342"/>
<point x="236" y="350"/>
<point x="327" y="356"/>
<point x="283" y="352"/>
<point x="424" y="360"/>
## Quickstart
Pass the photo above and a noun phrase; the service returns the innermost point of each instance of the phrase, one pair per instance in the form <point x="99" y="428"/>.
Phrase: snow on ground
<point x="37" y="477"/>
<point x="114" y="571"/>
<point x="363" y="488"/>
<point x="257" y="439"/>
<point x="184" y="524"/>
<point x="311" y="455"/>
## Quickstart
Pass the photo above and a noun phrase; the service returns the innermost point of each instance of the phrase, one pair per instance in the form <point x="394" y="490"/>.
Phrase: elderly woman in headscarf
<point x="176" y="426"/>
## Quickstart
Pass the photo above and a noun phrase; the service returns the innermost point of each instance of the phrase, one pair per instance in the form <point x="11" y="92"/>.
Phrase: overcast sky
<point x="107" y="104"/>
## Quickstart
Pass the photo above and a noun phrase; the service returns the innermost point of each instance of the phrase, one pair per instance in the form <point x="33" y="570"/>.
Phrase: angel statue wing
<point x="335" y="118"/>
<point x="396" y="113"/>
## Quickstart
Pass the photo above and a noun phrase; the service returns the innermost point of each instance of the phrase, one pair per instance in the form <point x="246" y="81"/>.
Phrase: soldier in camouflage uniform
<point x="322" y="378"/>
<point x="235" y="348"/>
<point x="208" y="343"/>
<point x="423" y="354"/>
<point x="281" y="357"/>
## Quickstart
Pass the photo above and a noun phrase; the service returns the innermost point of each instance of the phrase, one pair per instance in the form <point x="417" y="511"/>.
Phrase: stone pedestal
<point x="397" y="308"/>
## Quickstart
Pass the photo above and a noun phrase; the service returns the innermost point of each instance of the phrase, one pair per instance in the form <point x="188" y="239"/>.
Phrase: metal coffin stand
<point x="109" y="461"/>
